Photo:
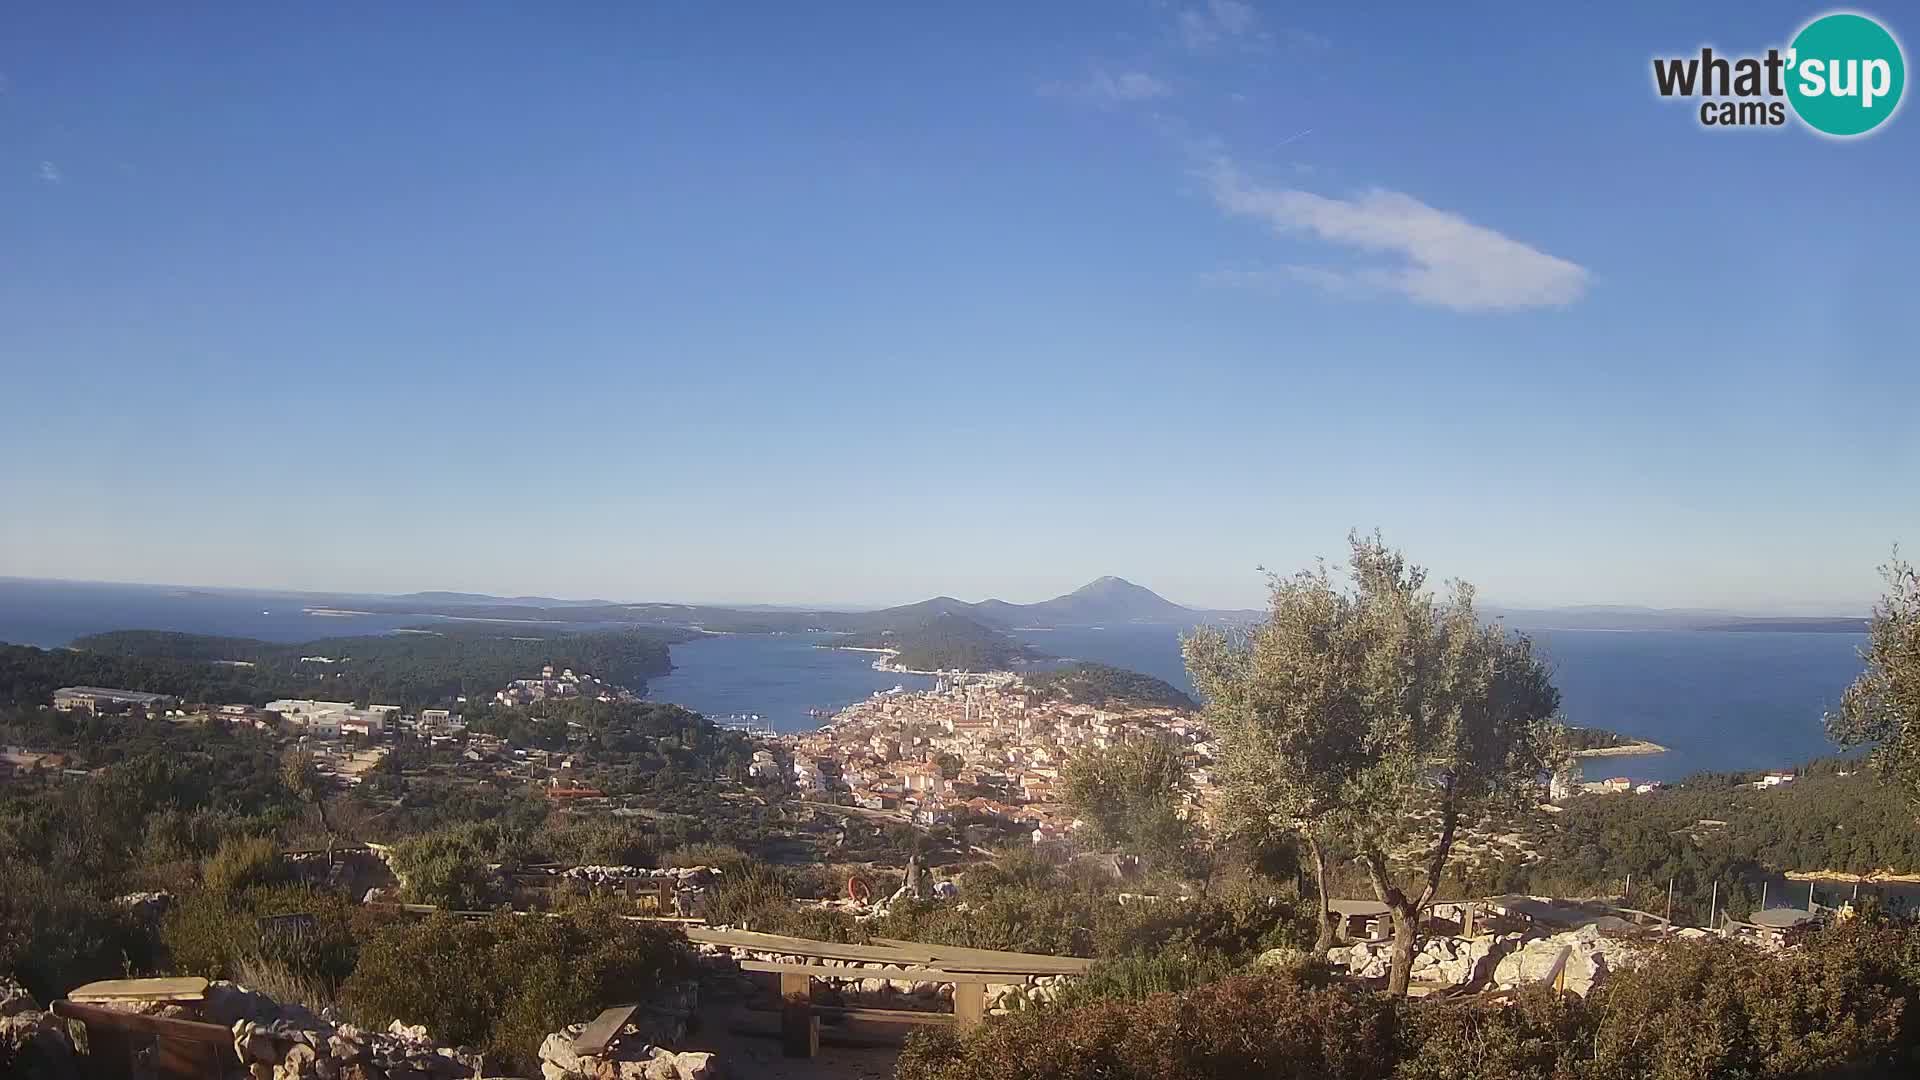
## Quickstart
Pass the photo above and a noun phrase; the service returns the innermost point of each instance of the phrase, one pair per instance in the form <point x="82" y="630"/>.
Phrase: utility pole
<point x="1713" y="908"/>
<point x="1669" y="903"/>
<point x="1629" y="898"/>
<point x="1809" y="896"/>
<point x="1763" y="895"/>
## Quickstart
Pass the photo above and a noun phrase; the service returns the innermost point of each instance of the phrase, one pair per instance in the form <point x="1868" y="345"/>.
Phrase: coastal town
<point x="975" y="748"/>
<point x="984" y="747"/>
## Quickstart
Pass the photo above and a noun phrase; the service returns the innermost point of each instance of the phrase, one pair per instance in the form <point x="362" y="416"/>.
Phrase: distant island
<point x="1087" y="683"/>
<point x="945" y="642"/>
<point x="1590" y="742"/>
<point x="426" y="667"/>
<point x="1792" y="626"/>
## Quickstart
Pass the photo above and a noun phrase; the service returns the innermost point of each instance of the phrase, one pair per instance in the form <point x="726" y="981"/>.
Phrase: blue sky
<point x="863" y="302"/>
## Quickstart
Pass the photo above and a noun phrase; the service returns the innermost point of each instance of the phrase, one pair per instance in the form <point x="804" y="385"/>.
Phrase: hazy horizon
<point x="1484" y="598"/>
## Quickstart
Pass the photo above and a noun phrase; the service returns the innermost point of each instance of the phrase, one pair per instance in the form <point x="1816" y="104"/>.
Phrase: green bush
<point x="448" y="867"/>
<point x="1246" y="1026"/>
<point x="501" y="983"/>
<point x="55" y="935"/>
<point x="603" y="842"/>
<point x="1239" y="922"/>
<point x="1541" y="1036"/>
<point x="1717" y="1008"/>
<point x="218" y="936"/>
<point x="241" y="863"/>
<point x="1840" y="1005"/>
<point x="1131" y="977"/>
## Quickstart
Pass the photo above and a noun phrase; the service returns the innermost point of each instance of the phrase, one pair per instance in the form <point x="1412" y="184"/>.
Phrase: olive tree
<point x="1131" y="793"/>
<point x="1882" y="707"/>
<point x="1380" y="715"/>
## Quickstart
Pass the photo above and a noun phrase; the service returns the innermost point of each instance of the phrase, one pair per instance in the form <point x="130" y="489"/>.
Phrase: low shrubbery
<point x="222" y="935"/>
<point x="55" y="935"/>
<point x="501" y="983"/>
<point x="1136" y="975"/>
<point x="1841" y="1006"/>
<point x="1243" y="1026"/>
<point x="1025" y="911"/>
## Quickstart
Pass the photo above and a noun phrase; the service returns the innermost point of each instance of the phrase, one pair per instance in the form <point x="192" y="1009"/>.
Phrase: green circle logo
<point x="1845" y="74"/>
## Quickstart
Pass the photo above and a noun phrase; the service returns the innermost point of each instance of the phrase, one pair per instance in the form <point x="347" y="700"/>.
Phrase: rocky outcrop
<point x="1495" y="961"/>
<point x="642" y="1051"/>
<point x="345" y="1052"/>
<point x="873" y="983"/>
<point x="34" y="1044"/>
<point x="1590" y="956"/>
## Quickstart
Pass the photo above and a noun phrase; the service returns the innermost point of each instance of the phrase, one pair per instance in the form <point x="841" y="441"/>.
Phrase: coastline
<point x="886" y="664"/>
<point x="1637" y="748"/>
<point x="1876" y="877"/>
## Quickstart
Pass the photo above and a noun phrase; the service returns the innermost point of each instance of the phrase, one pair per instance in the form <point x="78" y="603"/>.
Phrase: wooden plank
<point x="996" y="961"/>
<point x="602" y="1030"/>
<point x="886" y="1016"/>
<point x="969" y="1006"/>
<point x="876" y="1016"/>
<point x="793" y="946"/>
<point x="184" y="989"/>
<point x="191" y="1030"/>
<point x="799" y="1024"/>
<point x="822" y="971"/>
<point x="185" y="1059"/>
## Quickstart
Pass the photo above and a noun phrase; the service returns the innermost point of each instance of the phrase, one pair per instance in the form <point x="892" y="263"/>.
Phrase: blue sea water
<point x="52" y="613"/>
<point x="1718" y="701"/>
<point x="779" y="677"/>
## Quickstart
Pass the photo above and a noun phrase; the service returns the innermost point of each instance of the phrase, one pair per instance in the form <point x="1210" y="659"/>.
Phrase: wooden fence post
<point x="799" y="1027"/>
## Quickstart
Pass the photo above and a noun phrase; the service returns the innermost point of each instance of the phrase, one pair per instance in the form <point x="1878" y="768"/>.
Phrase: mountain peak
<point x="1110" y="584"/>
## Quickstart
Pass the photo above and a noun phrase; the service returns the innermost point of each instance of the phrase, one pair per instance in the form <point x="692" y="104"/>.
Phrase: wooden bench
<point x="800" y="1018"/>
<point x="180" y="1049"/>
<point x="605" y="1028"/>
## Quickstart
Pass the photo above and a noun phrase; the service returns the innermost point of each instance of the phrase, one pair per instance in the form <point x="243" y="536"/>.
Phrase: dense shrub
<point x="241" y="863"/>
<point x="1240" y="922"/>
<point x="221" y="936"/>
<point x="503" y="982"/>
<point x="55" y="935"/>
<point x="1715" y="1008"/>
<point x="449" y="867"/>
<point x="1245" y="1026"/>
<point x="1839" y="1006"/>
<point x="1029" y="907"/>
<point x="1137" y="975"/>
<point x="1542" y="1036"/>
<point x="602" y="842"/>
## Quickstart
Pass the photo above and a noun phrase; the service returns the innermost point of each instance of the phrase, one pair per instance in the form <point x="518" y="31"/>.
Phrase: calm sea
<point x="1719" y="701"/>
<point x="52" y="613"/>
<point x="779" y="677"/>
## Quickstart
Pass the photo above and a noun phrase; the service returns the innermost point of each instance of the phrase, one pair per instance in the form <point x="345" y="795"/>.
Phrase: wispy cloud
<point x="1437" y="257"/>
<point x="1106" y="87"/>
<point x="1208" y="24"/>
<point x="50" y="172"/>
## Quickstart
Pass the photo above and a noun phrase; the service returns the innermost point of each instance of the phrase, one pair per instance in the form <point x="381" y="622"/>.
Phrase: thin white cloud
<point x="1215" y="23"/>
<point x="50" y="172"/>
<point x="1108" y="88"/>
<point x="1439" y="258"/>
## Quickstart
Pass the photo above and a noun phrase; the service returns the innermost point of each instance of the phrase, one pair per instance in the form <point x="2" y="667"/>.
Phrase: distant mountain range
<point x="1105" y="601"/>
<point x="483" y="599"/>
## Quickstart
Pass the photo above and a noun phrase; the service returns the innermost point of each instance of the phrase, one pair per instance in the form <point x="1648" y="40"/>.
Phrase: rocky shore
<point x="1637" y="748"/>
